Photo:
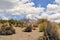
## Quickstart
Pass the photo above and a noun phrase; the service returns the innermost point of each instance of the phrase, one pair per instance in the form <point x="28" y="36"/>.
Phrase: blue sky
<point x="43" y="3"/>
<point x="17" y="9"/>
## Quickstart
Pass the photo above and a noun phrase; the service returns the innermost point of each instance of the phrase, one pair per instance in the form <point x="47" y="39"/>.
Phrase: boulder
<point x="28" y="29"/>
<point x="7" y="31"/>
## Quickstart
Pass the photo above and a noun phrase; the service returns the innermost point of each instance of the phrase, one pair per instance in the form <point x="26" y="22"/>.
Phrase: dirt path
<point x="22" y="35"/>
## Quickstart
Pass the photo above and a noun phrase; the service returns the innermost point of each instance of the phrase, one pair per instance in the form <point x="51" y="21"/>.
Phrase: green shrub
<point x="41" y="27"/>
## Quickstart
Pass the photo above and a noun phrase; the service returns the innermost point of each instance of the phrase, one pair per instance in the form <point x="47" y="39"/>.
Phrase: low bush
<point x="51" y="30"/>
<point x="7" y="30"/>
<point x="41" y="27"/>
<point x="28" y="29"/>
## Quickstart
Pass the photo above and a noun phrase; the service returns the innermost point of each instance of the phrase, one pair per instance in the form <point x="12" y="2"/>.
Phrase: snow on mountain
<point x="30" y="18"/>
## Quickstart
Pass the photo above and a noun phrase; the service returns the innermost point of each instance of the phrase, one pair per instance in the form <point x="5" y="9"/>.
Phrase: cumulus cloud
<point x="6" y="4"/>
<point x="27" y="8"/>
<point x="58" y="20"/>
<point x="57" y="1"/>
<point x="53" y="12"/>
<point x="4" y="18"/>
<point x="52" y="7"/>
<point x="17" y="7"/>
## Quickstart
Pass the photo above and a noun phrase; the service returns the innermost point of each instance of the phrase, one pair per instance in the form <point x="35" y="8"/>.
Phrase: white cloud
<point x="27" y="8"/>
<point x="55" y="16"/>
<point x="6" y="4"/>
<point x="52" y="7"/>
<point x="53" y="12"/>
<point x="57" y="1"/>
<point x="58" y="20"/>
<point x="17" y="7"/>
<point x="4" y="18"/>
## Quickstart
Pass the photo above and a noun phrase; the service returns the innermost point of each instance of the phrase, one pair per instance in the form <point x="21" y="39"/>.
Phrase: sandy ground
<point x="22" y="35"/>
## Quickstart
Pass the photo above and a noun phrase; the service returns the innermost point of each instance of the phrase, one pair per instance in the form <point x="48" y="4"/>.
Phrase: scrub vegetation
<point x="50" y="29"/>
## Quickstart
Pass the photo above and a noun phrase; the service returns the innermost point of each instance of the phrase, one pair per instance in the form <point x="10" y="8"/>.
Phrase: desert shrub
<point x="12" y="21"/>
<point x="41" y="27"/>
<point x="51" y="30"/>
<point x="7" y="30"/>
<point x="41" y="38"/>
<point x="34" y="26"/>
<point x="19" y="25"/>
<point x="3" y="21"/>
<point x="28" y="29"/>
<point x="41" y="21"/>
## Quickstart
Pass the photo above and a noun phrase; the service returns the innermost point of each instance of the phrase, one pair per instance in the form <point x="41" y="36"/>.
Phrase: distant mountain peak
<point x="31" y="18"/>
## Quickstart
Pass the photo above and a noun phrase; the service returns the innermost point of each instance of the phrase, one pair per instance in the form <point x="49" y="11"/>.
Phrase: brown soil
<point x="22" y="35"/>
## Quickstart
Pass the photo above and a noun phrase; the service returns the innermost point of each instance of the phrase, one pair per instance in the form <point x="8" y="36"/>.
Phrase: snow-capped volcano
<point x="31" y="18"/>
